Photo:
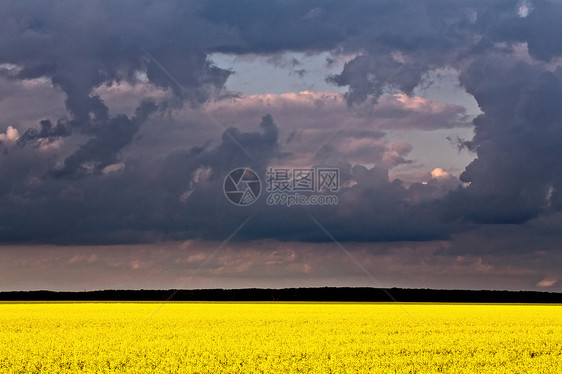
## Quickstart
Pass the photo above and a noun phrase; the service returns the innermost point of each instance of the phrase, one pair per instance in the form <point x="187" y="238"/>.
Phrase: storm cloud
<point x="80" y="47"/>
<point x="94" y="175"/>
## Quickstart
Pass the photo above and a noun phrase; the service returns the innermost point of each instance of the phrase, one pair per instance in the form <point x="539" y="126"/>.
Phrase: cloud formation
<point x="99" y="174"/>
<point x="104" y="44"/>
<point x="267" y="263"/>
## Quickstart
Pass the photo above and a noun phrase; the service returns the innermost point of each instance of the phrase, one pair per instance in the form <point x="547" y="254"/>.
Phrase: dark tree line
<point x="292" y="294"/>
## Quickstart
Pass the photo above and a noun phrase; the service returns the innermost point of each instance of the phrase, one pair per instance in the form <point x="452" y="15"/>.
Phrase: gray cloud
<point x="47" y="131"/>
<point x="514" y="178"/>
<point x="82" y="46"/>
<point x="517" y="141"/>
<point x="176" y="194"/>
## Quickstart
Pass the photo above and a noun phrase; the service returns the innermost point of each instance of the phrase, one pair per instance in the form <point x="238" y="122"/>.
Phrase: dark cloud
<point x="181" y="197"/>
<point x="47" y="131"/>
<point x="82" y="46"/>
<point x="103" y="149"/>
<point x="88" y="193"/>
<point x="517" y="140"/>
<point x="515" y="175"/>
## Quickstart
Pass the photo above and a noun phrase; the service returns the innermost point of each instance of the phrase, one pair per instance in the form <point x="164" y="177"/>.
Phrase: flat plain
<point x="265" y="337"/>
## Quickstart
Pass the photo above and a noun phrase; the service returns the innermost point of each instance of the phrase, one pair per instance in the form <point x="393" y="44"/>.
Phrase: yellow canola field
<point x="279" y="338"/>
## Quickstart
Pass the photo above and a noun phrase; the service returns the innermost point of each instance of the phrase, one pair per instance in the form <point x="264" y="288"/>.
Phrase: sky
<point x="122" y="125"/>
